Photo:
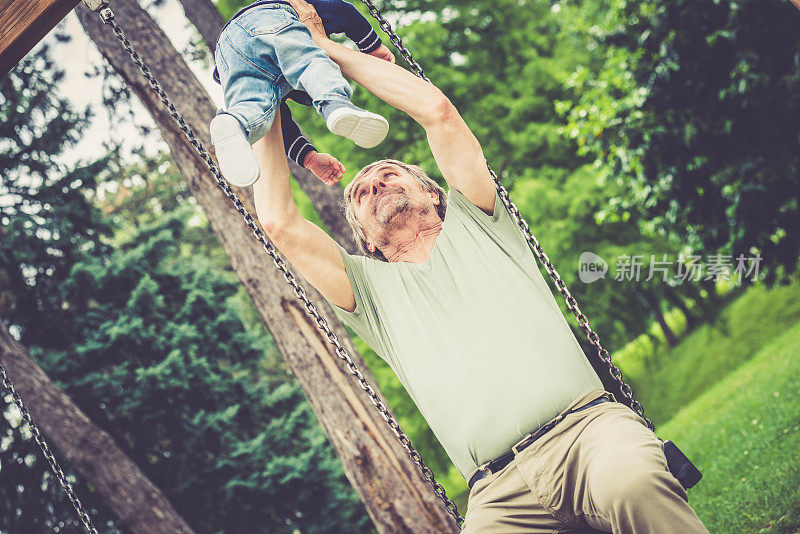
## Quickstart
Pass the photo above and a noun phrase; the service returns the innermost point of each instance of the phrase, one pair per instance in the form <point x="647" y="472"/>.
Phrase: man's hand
<point x="385" y="54"/>
<point x="324" y="166"/>
<point x="308" y="16"/>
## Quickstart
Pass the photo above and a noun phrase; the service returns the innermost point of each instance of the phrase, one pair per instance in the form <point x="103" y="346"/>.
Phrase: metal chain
<point x="37" y="435"/>
<point x="537" y="249"/>
<point x="572" y="304"/>
<point x="396" y="40"/>
<point x="108" y="17"/>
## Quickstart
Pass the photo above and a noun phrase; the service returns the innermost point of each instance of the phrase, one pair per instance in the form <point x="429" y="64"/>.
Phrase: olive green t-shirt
<point x="474" y="335"/>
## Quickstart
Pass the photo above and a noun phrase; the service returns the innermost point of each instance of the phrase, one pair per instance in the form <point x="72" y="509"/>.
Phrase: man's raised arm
<point x="455" y="149"/>
<point x="309" y="249"/>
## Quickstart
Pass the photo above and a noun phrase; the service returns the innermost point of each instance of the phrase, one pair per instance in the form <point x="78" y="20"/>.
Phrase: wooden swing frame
<point x="23" y="23"/>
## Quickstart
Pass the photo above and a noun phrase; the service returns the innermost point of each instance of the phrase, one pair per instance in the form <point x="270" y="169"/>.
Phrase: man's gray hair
<point x="425" y="181"/>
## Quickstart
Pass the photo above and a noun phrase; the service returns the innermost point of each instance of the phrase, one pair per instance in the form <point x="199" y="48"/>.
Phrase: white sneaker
<point x="362" y="127"/>
<point x="237" y="162"/>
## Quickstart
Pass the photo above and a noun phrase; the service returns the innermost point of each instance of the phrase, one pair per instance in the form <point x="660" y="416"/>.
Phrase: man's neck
<point x="413" y="245"/>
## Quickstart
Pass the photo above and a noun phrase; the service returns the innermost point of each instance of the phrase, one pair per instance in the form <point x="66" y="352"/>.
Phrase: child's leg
<point x="308" y="68"/>
<point x="251" y="97"/>
<point x="279" y="42"/>
<point x="275" y="40"/>
<point x="251" y="89"/>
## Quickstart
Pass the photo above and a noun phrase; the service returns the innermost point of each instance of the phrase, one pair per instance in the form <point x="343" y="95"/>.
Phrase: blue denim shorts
<point x="265" y="53"/>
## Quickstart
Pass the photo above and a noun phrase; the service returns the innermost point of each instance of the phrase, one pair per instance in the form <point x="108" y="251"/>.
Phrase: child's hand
<point x="383" y="53"/>
<point x="326" y="167"/>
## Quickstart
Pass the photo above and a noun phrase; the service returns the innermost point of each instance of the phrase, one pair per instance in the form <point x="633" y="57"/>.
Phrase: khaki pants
<point x="599" y="468"/>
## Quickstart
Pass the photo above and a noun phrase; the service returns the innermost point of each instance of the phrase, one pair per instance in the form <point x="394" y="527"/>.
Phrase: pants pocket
<point x="263" y="20"/>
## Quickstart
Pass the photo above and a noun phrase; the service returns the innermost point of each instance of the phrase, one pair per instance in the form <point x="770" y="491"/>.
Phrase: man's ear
<point x="435" y="197"/>
<point x="367" y="240"/>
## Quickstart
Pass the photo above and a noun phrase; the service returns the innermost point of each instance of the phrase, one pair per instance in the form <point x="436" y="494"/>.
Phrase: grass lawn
<point x="677" y="376"/>
<point x="744" y="435"/>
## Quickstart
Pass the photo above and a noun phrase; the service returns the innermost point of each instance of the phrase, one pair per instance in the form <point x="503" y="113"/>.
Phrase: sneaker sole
<point x="362" y="127"/>
<point x="237" y="163"/>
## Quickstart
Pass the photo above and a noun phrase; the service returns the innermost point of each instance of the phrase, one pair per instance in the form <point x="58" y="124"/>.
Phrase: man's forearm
<point x="389" y="82"/>
<point x="275" y="204"/>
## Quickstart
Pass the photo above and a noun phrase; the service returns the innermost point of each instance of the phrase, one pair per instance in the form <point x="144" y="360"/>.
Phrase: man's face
<point x="388" y="197"/>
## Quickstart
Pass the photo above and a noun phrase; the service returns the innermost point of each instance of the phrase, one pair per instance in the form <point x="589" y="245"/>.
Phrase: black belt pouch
<point x="680" y="466"/>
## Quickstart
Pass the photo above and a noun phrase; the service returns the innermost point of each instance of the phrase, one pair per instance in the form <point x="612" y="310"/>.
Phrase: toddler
<point x="264" y="55"/>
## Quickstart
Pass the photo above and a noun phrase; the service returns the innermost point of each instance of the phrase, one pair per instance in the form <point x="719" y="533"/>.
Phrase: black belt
<point x="496" y="465"/>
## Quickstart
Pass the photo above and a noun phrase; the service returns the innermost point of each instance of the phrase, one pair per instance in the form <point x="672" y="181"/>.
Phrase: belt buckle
<point x="520" y="443"/>
<point x="485" y="469"/>
<point x="482" y="469"/>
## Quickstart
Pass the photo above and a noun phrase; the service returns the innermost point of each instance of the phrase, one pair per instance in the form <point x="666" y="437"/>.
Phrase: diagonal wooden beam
<point x="23" y="23"/>
<point x="140" y="506"/>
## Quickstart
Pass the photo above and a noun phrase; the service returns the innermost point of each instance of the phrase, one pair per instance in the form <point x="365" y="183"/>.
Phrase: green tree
<point x="694" y="108"/>
<point x="131" y="314"/>
<point x="47" y="224"/>
<point x="166" y="363"/>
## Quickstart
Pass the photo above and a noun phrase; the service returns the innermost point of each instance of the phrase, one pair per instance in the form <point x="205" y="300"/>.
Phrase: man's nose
<point x="377" y="184"/>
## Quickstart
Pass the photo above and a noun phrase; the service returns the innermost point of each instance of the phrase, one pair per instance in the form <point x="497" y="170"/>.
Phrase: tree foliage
<point x="114" y="286"/>
<point x="693" y="107"/>
<point x="47" y="224"/>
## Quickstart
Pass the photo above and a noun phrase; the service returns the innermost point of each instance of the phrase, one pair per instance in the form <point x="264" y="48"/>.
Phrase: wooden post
<point x="23" y="23"/>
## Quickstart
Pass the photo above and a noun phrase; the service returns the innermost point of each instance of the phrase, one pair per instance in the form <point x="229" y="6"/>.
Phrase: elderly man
<point x="449" y="294"/>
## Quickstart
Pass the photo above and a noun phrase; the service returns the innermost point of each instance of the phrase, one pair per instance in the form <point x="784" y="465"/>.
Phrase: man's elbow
<point x="274" y="216"/>
<point x="439" y="110"/>
<point x="277" y="228"/>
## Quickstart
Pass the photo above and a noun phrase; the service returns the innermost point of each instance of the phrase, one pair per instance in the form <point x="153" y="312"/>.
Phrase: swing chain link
<point x="396" y="40"/>
<point x="48" y="454"/>
<point x="533" y="243"/>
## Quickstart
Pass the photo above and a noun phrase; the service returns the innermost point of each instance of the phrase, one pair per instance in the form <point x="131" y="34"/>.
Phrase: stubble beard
<point x="391" y="214"/>
<point x="391" y="210"/>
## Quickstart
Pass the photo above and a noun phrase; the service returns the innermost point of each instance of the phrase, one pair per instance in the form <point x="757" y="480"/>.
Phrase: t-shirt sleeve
<point x="500" y="226"/>
<point x="364" y="318"/>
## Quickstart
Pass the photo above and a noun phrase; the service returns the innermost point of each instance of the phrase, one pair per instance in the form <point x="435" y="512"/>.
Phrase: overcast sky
<point x="80" y="56"/>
